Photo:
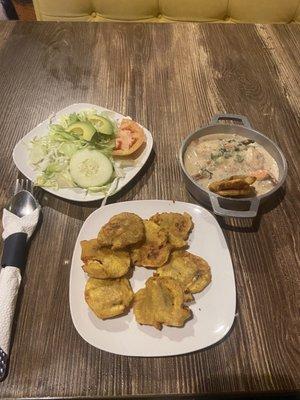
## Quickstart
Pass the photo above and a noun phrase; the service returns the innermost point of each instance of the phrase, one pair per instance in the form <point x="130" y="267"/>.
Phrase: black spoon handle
<point x="3" y="364"/>
<point x="14" y="250"/>
<point x="13" y="261"/>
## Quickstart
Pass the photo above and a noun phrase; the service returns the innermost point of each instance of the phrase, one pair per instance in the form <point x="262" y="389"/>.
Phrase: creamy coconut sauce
<point x="219" y="156"/>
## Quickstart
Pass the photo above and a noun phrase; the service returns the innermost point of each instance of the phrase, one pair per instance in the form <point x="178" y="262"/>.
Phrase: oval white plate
<point x="20" y="155"/>
<point x="213" y="309"/>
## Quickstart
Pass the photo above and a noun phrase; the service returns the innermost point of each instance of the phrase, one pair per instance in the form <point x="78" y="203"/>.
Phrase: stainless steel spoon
<point x="14" y="254"/>
<point x="22" y="203"/>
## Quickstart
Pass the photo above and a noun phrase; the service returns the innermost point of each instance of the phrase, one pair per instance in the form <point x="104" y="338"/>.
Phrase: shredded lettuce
<point x="96" y="189"/>
<point x="67" y="120"/>
<point x="68" y="148"/>
<point x="50" y="154"/>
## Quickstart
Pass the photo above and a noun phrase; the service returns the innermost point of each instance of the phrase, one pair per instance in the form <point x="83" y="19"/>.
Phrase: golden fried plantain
<point x="226" y="184"/>
<point x="188" y="297"/>
<point x="234" y="186"/>
<point x="246" y="192"/>
<point x="247" y="178"/>
<point x="150" y="255"/>
<point x="155" y="251"/>
<point x="108" y="297"/>
<point x="191" y="271"/>
<point x="121" y="231"/>
<point x="89" y="249"/>
<point x="154" y="233"/>
<point x="177" y="226"/>
<point x="104" y="263"/>
<point x="161" y="302"/>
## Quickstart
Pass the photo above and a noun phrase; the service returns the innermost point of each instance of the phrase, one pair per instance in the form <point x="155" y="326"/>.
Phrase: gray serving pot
<point x="230" y="207"/>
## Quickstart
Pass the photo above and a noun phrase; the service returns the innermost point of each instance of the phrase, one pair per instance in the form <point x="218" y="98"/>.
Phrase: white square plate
<point x="213" y="309"/>
<point x="21" y="159"/>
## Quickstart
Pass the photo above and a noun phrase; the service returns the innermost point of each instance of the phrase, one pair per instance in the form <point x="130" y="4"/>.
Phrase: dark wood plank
<point x="172" y="78"/>
<point x="25" y="10"/>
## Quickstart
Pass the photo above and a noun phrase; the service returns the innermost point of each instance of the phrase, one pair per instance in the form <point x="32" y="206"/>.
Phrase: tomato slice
<point x="129" y="138"/>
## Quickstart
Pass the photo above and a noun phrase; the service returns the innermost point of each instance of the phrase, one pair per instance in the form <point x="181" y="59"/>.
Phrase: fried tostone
<point x="108" y="298"/>
<point x="234" y="186"/>
<point x="245" y="192"/>
<point x="191" y="271"/>
<point x="122" y="230"/>
<point x="161" y="302"/>
<point x="154" y="233"/>
<point x="104" y="263"/>
<point x="150" y="256"/>
<point x="176" y="225"/>
<point x="155" y="251"/>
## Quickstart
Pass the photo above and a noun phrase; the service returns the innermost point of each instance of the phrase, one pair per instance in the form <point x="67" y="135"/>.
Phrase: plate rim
<point x="233" y="316"/>
<point x="58" y="193"/>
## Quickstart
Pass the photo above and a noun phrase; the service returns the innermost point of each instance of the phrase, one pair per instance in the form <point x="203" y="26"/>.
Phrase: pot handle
<point x="244" y="120"/>
<point x="224" y="212"/>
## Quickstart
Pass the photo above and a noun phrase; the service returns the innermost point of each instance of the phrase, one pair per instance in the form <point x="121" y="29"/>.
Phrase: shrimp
<point x="262" y="175"/>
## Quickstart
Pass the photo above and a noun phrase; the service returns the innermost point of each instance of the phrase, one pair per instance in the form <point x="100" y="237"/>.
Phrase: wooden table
<point x="172" y="78"/>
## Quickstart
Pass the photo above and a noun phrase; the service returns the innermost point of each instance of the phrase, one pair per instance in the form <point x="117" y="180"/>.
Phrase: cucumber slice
<point x="102" y="124"/>
<point x="90" y="168"/>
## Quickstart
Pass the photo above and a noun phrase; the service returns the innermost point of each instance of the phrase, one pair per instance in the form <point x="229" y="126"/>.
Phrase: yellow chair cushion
<point x="128" y="10"/>
<point x="194" y="10"/>
<point x="255" y="11"/>
<point x="297" y="16"/>
<point x="263" y="11"/>
<point x="57" y="10"/>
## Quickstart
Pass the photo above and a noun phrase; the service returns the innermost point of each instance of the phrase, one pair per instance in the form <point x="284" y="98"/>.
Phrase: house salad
<point x="87" y="150"/>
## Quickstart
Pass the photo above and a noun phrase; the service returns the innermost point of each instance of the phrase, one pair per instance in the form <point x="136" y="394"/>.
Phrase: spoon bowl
<point x="23" y="203"/>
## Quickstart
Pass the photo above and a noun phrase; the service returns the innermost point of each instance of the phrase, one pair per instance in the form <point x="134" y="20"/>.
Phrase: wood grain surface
<point x="172" y="79"/>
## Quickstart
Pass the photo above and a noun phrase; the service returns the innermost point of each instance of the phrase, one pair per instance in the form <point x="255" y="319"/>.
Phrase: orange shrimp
<point x="261" y="174"/>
